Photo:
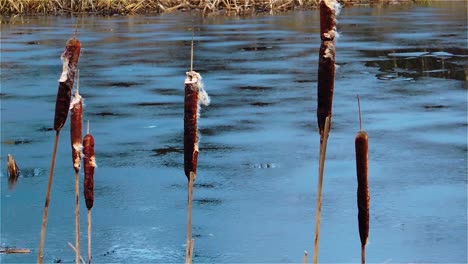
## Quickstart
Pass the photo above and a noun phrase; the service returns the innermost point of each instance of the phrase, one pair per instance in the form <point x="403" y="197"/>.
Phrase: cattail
<point x="13" y="172"/>
<point x="329" y="9"/>
<point x="194" y="96"/>
<point x="363" y="195"/>
<point x="326" y="69"/>
<point x="76" y="131"/>
<point x="89" y="162"/>
<point x="62" y="105"/>
<point x="76" y="128"/>
<point x="70" y="62"/>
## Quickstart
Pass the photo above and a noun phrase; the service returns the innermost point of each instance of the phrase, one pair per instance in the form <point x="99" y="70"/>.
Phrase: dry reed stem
<point x="77" y="217"/>
<point x="304" y="259"/>
<point x="40" y="256"/>
<point x="14" y="251"/>
<point x="189" y="244"/>
<point x="323" y="153"/>
<point x="81" y="260"/>
<point x="363" y="196"/>
<point x="89" y="236"/>
<point x="13" y="172"/>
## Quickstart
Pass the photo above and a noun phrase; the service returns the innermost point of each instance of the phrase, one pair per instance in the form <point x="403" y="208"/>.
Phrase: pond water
<point x="256" y="184"/>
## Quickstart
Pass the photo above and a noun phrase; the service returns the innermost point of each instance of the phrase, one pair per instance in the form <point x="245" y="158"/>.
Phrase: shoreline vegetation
<point x="208" y="7"/>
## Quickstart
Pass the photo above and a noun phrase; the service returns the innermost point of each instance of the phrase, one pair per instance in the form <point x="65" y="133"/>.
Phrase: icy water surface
<point x="256" y="185"/>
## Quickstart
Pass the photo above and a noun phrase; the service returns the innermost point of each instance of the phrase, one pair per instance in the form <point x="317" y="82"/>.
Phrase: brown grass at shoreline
<point x="123" y="7"/>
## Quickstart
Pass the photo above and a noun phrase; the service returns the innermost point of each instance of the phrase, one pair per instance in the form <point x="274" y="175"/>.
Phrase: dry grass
<point x="109" y="7"/>
<point x="149" y="6"/>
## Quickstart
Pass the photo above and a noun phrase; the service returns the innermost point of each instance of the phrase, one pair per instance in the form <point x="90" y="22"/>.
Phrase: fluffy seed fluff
<point x="329" y="51"/>
<point x="76" y="99"/>
<point x="92" y="162"/>
<point x="65" y="69"/>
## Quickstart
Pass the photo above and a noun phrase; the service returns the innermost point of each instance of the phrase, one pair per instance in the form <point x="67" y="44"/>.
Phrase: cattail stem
<point x="40" y="256"/>
<point x="189" y="246"/>
<point x="363" y="254"/>
<point x="77" y="217"/>
<point x="89" y="236"/>
<point x="323" y="152"/>
<point x="76" y="131"/>
<point x="304" y="259"/>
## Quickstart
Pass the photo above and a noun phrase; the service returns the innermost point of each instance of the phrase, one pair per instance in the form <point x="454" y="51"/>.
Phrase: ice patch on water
<point x="408" y="54"/>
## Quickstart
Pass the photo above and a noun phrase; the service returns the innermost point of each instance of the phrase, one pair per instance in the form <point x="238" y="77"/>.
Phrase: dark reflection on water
<point x="255" y="189"/>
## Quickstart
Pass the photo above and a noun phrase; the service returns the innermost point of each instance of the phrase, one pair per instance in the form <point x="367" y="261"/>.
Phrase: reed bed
<point x="70" y="59"/>
<point x="106" y="7"/>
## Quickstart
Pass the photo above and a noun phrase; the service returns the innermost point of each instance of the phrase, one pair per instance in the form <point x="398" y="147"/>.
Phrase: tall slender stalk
<point x="194" y="95"/>
<point x="325" y="88"/>
<point x="323" y="153"/>
<point x="76" y="131"/>
<point x="70" y="59"/>
<point x="89" y="162"/>
<point x="361" y="142"/>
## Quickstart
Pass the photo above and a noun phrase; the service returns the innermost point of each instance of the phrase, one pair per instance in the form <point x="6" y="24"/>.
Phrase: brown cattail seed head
<point x="89" y="161"/>
<point x="325" y="83"/>
<point x="195" y="95"/>
<point x="76" y="130"/>
<point x="191" y="124"/>
<point x="363" y="196"/>
<point x="70" y="61"/>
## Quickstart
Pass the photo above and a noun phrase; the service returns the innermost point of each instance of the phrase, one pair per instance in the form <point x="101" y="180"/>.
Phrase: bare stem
<point x="359" y="108"/>
<point x="87" y="128"/>
<point x="323" y="152"/>
<point x="77" y="217"/>
<point x="191" y="51"/>
<point x="40" y="256"/>
<point x="189" y="246"/>
<point x="363" y="254"/>
<point x="89" y="236"/>
<point x="74" y="249"/>
<point x="304" y="259"/>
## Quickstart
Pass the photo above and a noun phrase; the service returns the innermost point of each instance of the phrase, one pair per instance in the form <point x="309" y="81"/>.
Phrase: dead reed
<point x="150" y="6"/>
<point x="363" y="196"/>
<point x="194" y="96"/>
<point x="89" y="161"/>
<point x="318" y="211"/>
<point x="13" y="172"/>
<point x="70" y="59"/>
<point x="76" y="131"/>
<point x="325" y="86"/>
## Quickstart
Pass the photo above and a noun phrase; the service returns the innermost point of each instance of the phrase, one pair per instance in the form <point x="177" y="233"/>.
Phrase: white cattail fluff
<point x="330" y="50"/>
<point x="65" y="69"/>
<point x="92" y="162"/>
<point x="76" y="100"/>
